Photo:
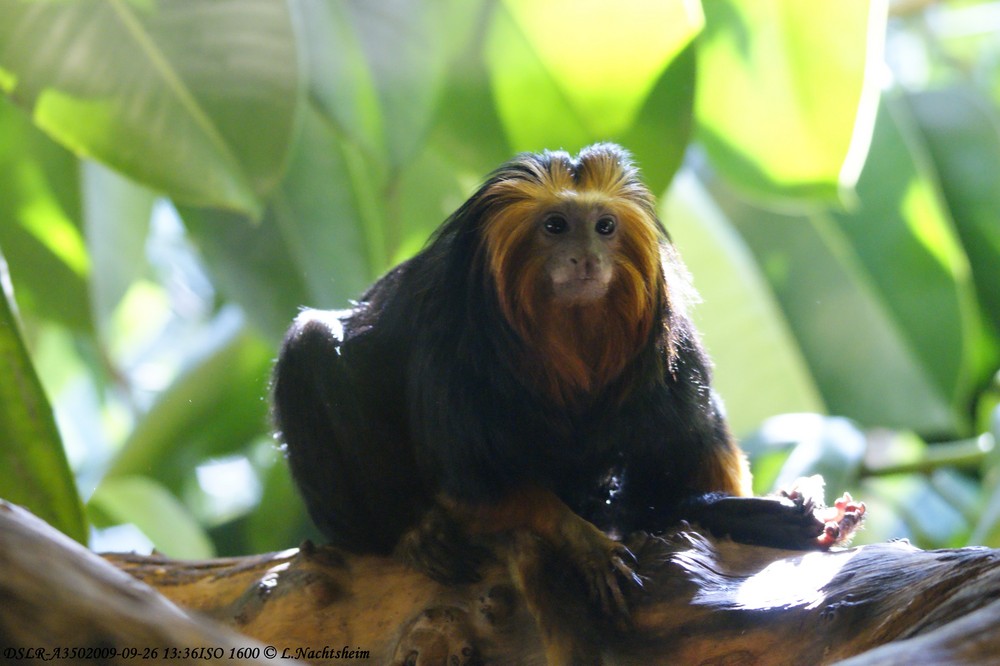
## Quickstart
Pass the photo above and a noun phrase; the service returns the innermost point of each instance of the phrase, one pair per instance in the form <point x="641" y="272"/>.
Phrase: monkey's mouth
<point x="581" y="289"/>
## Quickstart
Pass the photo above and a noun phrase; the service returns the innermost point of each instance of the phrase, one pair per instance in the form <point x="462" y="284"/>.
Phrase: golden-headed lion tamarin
<point x="532" y="371"/>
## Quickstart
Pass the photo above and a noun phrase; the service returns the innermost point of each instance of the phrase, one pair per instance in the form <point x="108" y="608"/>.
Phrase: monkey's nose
<point x="585" y="267"/>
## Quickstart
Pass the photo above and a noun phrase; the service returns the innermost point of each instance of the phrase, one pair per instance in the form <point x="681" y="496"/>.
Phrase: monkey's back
<point x="340" y="413"/>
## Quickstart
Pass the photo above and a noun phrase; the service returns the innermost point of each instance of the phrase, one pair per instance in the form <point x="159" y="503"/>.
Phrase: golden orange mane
<point x="574" y="352"/>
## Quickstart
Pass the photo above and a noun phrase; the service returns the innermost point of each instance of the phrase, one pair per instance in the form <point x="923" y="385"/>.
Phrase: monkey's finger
<point x="607" y="596"/>
<point x="625" y="569"/>
<point x="619" y="607"/>
<point x="599" y="592"/>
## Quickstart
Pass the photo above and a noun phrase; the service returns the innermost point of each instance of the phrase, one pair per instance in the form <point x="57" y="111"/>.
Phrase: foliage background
<point x="178" y="178"/>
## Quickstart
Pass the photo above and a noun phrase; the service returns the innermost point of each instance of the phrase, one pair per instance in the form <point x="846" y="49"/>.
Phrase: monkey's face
<point x="571" y="249"/>
<point x="571" y="235"/>
<point x="579" y="242"/>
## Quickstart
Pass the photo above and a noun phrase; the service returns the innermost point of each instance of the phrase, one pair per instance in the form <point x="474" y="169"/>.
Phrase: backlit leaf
<point x="172" y="93"/>
<point x="567" y="73"/>
<point x="787" y="91"/>
<point x="143" y="502"/>
<point x="35" y="471"/>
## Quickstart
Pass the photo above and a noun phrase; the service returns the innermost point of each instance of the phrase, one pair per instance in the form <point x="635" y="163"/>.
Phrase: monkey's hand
<point x="602" y="561"/>
<point x="439" y="547"/>
<point x="840" y="521"/>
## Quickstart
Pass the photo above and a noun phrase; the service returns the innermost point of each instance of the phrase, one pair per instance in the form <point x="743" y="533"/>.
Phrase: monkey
<point x="533" y="372"/>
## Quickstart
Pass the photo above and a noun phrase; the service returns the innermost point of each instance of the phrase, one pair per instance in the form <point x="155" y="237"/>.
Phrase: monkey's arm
<point x="794" y="519"/>
<point x="697" y="473"/>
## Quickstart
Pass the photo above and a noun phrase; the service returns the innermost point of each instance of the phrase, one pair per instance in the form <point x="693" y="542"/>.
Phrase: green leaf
<point x="467" y="125"/>
<point x="861" y="361"/>
<point x="196" y="99"/>
<point x="857" y="289"/>
<point x="281" y="520"/>
<point x="427" y="192"/>
<point x="961" y="130"/>
<point x="116" y="219"/>
<point x="40" y="222"/>
<point x="327" y="212"/>
<point x="341" y="84"/>
<point x="35" y="471"/>
<point x="759" y="370"/>
<point x="216" y="406"/>
<point x="567" y="73"/>
<point x="377" y="67"/>
<point x="907" y="248"/>
<point x="787" y="91"/>
<point x="320" y="242"/>
<point x="659" y="137"/>
<point x="143" y="502"/>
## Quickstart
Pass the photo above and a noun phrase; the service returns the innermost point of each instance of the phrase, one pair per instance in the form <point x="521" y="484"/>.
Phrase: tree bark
<point x="704" y="601"/>
<point x="63" y="604"/>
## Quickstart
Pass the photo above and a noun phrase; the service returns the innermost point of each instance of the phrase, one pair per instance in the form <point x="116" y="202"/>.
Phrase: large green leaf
<point x="196" y="99"/>
<point x="879" y="298"/>
<point x="961" y="129"/>
<point x="759" y="369"/>
<point x="567" y="73"/>
<point x="320" y="242"/>
<point x="786" y="92"/>
<point x="116" y="220"/>
<point x="659" y="136"/>
<point x="427" y="192"/>
<point x="907" y="247"/>
<point x="467" y="126"/>
<point x="326" y="214"/>
<point x="35" y="471"/>
<point x="861" y="360"/>
<point x="340" y="81"/>
<point x="40" y="222"/>
<point x="377" y="67"/>
<point x="145" y="503"/>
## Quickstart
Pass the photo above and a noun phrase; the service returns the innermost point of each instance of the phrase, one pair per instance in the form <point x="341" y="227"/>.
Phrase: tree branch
<point x="704" y="601"/>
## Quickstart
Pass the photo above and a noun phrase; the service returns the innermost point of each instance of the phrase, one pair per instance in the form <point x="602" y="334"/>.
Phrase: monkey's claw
<point x="604" y="564"/>
<point x="624" y="568"/>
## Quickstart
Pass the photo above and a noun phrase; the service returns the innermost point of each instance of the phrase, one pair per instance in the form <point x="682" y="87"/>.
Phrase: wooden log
<point x="704" y="601"/>
<point x="61" y="603"/>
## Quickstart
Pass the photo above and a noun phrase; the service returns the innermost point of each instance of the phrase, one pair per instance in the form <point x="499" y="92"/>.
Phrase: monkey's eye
<point x="556" y="224"/>
<point x="606" y="225"/>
